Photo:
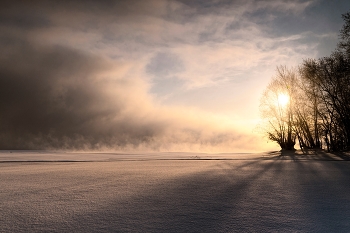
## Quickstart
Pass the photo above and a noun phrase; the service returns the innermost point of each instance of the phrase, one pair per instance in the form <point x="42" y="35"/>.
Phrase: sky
<point x="151" y="75"/>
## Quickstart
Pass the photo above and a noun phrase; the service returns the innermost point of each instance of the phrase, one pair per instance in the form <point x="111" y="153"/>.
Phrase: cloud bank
<point x="53" y="97"/>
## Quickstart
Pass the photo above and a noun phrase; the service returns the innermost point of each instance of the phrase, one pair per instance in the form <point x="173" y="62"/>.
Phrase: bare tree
<point x="307" y="109"/>
<point x="276" y="108"/>
<point x="332" y="77"/>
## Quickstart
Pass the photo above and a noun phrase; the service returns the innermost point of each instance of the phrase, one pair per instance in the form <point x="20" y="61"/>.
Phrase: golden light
<point x="282" y="99"/>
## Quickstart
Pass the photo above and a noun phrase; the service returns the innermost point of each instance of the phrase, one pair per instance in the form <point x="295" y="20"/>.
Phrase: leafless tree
<point x="277" y="113"/>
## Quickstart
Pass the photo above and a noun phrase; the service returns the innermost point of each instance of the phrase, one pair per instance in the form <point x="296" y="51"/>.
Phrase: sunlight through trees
<point x="283" y="99"/>
<point x="313" y="101"/>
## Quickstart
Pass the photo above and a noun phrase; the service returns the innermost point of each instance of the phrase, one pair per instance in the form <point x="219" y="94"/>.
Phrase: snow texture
<point x="173" y="192"/>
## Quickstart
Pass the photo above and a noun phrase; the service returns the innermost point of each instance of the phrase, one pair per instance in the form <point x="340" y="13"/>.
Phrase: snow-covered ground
<point x="173" y="192"/>
<point x="41" y="156"/>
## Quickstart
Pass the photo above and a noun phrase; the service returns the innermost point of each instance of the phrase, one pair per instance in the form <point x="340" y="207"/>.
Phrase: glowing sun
<point x="282" y="99"/>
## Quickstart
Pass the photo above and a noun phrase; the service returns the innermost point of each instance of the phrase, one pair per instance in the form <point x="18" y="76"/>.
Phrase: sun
<point x="282" y="99"/>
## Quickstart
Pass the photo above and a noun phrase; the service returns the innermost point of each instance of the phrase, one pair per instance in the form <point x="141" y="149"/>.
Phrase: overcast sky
<point x="168" y="75"/>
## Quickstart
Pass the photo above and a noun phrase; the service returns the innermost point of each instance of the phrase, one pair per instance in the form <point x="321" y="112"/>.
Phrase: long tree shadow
<point x="324" y="189"/>
<point x="263" y="194"/>
<point x="209" y="201"/>
<point x="320" y="184"/>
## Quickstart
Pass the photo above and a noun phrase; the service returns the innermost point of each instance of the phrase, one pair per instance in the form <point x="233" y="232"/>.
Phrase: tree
<point x="276" y="108"/>
<point x="298" y="118"/>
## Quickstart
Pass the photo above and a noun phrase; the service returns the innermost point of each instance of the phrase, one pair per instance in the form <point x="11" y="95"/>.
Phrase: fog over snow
<point x="149" y="75"/>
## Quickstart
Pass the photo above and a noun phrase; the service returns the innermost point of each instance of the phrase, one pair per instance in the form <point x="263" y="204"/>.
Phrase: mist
<point x="55" y="97"/>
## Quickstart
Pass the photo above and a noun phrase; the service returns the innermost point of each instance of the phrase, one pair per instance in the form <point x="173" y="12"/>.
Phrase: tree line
<point x="311" y="103"/>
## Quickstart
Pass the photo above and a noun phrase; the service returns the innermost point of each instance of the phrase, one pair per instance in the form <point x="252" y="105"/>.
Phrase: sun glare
<point x="283" y="99"/>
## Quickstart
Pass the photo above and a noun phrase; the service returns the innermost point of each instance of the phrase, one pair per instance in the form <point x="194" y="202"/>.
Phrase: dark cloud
<point x="58" y="94"/>
<point x="320" y="17"/>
